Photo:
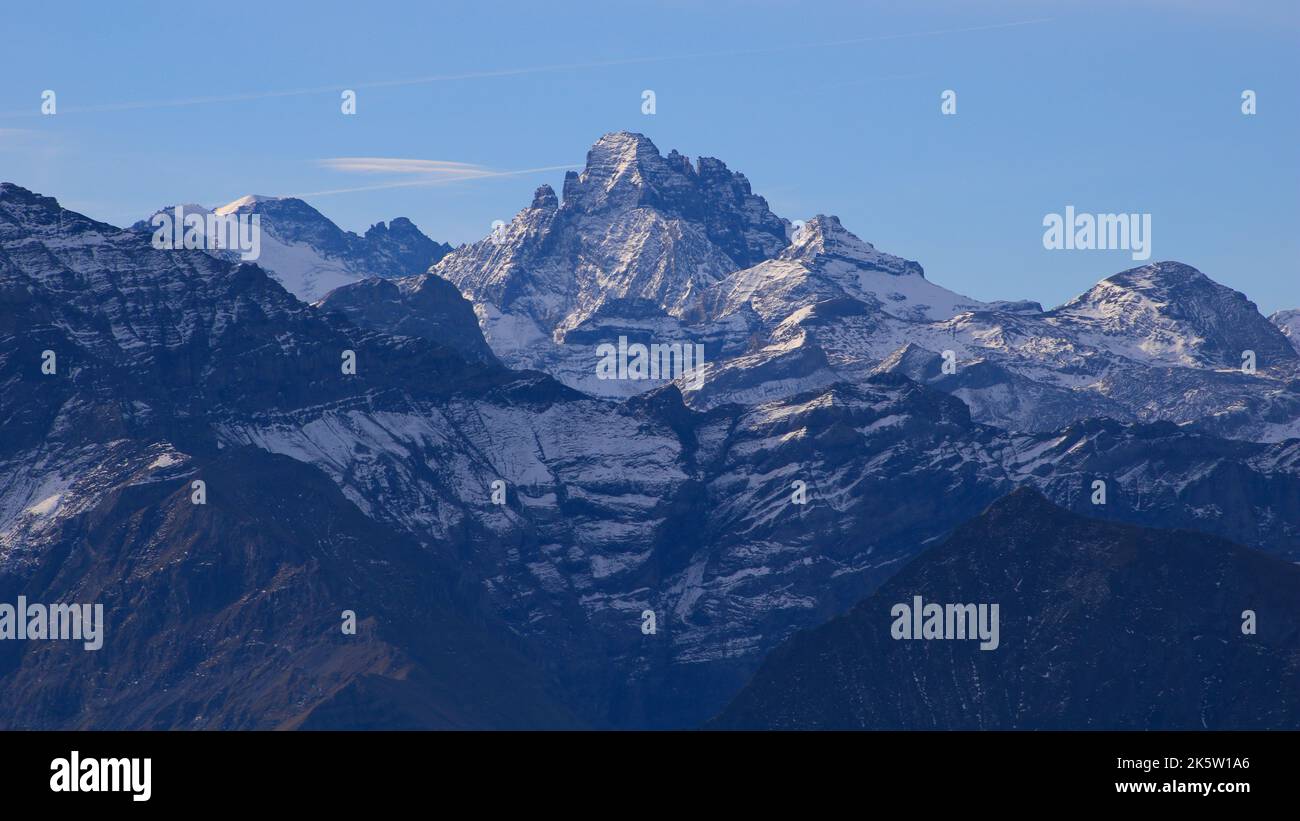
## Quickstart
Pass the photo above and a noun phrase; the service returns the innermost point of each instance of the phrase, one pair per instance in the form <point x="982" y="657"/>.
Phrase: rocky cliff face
<point x="425" y="306"/>
<point x="231" y="614"/>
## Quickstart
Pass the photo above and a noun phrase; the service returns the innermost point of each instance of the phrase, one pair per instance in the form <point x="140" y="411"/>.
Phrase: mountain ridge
<point x="310" y="255"/>
<point x="671" y="501"/>
<point x="637" y="227"/>
<point x="1103" y="626"/>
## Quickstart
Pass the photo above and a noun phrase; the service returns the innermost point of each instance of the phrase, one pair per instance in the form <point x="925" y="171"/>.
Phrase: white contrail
<point x="514" y="72"/>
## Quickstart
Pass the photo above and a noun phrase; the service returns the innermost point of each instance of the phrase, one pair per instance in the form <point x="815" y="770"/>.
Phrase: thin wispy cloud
<point x="515" y="72"/>
<point x="436" y="179"/>
<point x="395" y="165"/>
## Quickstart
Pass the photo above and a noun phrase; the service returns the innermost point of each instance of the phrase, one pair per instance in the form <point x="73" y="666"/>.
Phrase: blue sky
<point x="827" y="107"/>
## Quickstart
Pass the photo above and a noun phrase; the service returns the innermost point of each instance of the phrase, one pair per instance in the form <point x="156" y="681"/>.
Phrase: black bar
<point x="329" y="770"/>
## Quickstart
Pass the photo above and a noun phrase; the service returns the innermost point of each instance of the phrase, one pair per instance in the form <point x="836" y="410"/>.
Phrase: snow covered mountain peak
<point x="824" y="238"/>
<point x="1160" y="283"/>
<point x="310" y="256"/>
<point x="626" y="172"/>
<point x="1162" y="280"/>
<point x="620" y="169"/>
<point x="633" y="225"/>
<point x="244" y="204"/>
<point x="825" y="261"/>
<point x="1172" y="313"/>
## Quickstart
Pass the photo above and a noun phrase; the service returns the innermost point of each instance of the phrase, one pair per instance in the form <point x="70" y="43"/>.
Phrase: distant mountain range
<point x="656" y="248"/>
<point x="499" y="517"/>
